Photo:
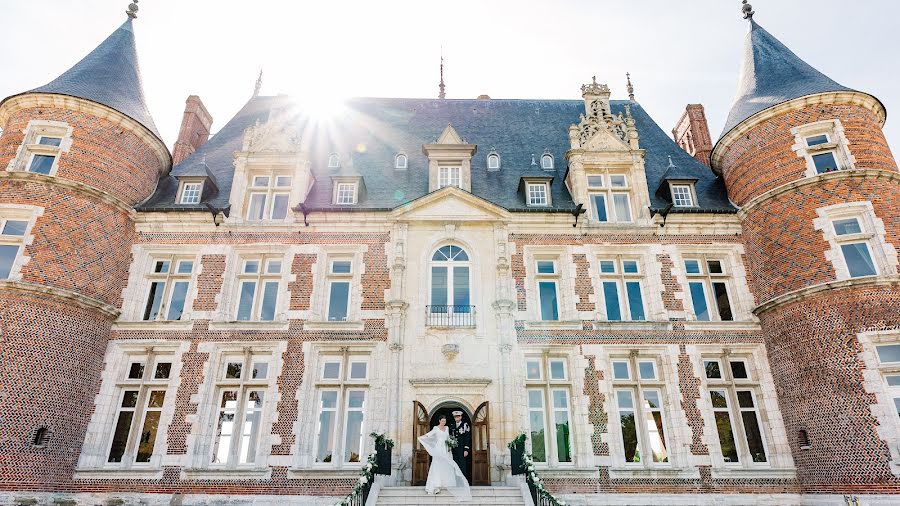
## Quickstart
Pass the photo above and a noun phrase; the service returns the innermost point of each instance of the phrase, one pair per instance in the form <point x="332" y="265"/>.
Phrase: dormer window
<point x="448" y="176"/>
<point x="334" y="161"/>
<point x="190" y="193"/>
<point x="401" y="161"/>
<point x="345" y="194"/>
<point x="546" y="161"/>
<point x="538" y="194"/>
<point x="268" y="196"/>
<point x="682" y="194"/>
<point x="493" y="161"/>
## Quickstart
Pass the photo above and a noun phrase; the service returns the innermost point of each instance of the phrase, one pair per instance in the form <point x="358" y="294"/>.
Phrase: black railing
<point x="450" y="316"/>
<point x="523" y="464"/>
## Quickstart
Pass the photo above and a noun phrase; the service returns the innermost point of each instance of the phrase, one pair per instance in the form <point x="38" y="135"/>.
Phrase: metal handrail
<point x="443" y="315"/>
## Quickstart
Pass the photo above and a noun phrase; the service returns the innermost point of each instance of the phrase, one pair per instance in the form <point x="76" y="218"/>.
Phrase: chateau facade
<point x="668" y="320"/>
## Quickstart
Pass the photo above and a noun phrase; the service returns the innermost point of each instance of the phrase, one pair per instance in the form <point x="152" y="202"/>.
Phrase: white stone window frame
<point x="547" y="384"/>
<point x="874" y="382"/>
<point x="838" y="144"/>
<point x="340" y="193"/>
<point x="608" y="191"/>
<point x="271" y="191"/>
<point x="137" y="290"/>
<point x="197" y="461"/>
<point x="534" y="197"/>
<point x="307" y="425"/>
<point x="322" y="276"/>
<point x="650" y="271"/>
<point x="778" y="452"/>
<point x="565" y="288"/>
<point x="184" y="191"/>
<point x="401" y="161"/>
<point x="446" y="176"/>
<point x="231" y="289"/>
<point x="691" y="194"/>
<point x="30" y="146"/>
<point x="739" y="295"/>
<point x="92" y="462"/>
<point x="19" y="212"/>
<point x="883" y="253"/>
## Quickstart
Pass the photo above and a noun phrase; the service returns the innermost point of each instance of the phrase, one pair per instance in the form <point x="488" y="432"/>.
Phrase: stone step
<point x="481" y="496"/>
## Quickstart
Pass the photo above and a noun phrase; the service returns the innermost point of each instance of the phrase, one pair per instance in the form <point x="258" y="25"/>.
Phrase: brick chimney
<point x="692" y="133"/>
<point x="194" y="129"/>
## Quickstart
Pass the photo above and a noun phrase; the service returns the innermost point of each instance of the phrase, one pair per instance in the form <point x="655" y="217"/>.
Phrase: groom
<point x="463" y="434"/>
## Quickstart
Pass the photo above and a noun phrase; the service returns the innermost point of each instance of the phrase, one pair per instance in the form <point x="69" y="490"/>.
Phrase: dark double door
<point x="479" y="457"/>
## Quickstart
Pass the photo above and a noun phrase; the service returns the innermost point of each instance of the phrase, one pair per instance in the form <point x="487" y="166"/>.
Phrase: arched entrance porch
<point x="479" y="458"/>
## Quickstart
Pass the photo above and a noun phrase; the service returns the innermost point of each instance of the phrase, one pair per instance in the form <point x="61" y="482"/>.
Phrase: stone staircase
<point x="481" y="496"/>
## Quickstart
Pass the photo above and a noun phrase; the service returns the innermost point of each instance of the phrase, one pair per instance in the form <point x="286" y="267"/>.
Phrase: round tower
<point x="806" y="161"/>
<point x="76" y="156"/>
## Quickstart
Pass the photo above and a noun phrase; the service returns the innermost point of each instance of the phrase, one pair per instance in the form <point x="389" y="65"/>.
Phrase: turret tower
<point x="76" y="156"/>
<point x="806" y="161"/>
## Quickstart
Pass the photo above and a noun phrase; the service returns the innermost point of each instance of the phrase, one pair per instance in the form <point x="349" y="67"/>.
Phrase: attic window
<point x="401" y="161"/>
<point x="538" y="194"/>
<point x="190" y="193"/>
<point x="345" y="194"/>
<point x="493" y="161"/>
<point x="546" y="161"/>
<point x="334" y="161"/>
<point x="682" y="194"/>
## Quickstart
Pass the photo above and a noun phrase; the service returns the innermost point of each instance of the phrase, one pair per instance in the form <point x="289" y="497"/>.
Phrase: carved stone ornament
<point x="598" y="116"/>
<point x="279" y="134"/>
<point x="395" y="347"/>
<point x="450" y="350"/>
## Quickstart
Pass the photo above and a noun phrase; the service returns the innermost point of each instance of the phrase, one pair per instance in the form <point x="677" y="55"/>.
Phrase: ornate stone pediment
<point x="278" y="135"/>
<point x="599" y="129"/>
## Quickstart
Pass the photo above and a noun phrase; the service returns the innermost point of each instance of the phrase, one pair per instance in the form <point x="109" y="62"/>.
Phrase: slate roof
<point x="772" y="74"/>
<point x="108" y="75"/>
<point x="369" y="132"/>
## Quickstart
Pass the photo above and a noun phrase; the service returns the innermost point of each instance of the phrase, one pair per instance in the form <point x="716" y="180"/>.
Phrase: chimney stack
<point x="692" y="133"/>
<point x="194" y="129"/>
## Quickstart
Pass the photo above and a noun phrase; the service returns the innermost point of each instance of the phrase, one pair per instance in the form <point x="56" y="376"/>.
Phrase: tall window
<point x="190" y="192"/>
<point x="639" y="394"/>
<point x="538" y="194"/>
<point x="141" y="400"/>
<point x="889" y="365"/>
<point x="340" y="275"/>
<point x="345" y="194"/>
<point x="448" y="176"/>
<point x="450" y="286"/>
<point x="268" y="196"/>
<point x="258" y="283"/>
<point x="547" y="278"/>
<point x="549" y="414"/>
<point x="708" y="285"/>
<point x="855" y="248"/>
<point x="241" y="386"/>
<point x="12" y="236"/>
<point x="343" y="382"/>
<point x="734" y="396"/>
<point x="170" y="279"/>
<point x="610" y="197"/>
<point x="622" y="293"/>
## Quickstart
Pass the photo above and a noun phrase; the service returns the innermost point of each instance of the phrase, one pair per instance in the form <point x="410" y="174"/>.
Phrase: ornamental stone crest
<point x="598" y="119"/>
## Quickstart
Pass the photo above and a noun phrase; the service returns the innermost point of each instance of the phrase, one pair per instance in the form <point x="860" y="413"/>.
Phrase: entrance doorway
<point x="479" y="471"/>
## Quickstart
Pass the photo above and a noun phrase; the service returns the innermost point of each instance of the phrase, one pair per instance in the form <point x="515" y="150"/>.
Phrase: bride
<point x="443" y="473"/>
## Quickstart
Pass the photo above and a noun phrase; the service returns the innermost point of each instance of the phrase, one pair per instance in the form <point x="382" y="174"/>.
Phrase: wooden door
<point x="420" y="455"/>
<point x="481" y="446"/>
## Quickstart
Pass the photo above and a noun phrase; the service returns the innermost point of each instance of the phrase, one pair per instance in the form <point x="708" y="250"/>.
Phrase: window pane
<point x="745" y="398"/>
<point x="739" y="370"/>
<point x="331" y="370"/>
<point x="714" y="266"/>
<point x="563" y="447"/>
<point x="859" y="262"/>
<point x="627" y="424"/>
<point x="148" y="436"/>
<point x="353" y="441"/>
<point x="251" y="267"/>
<point x="599" y="202"/>
<point x="698" y="297"/>
<point x="722" y="302"/>
<point x="847" y="226"/>
<point x="816" y="140"/>
<point x="15" y="227"/>
<point x="225" y="427"/>
<point x="50" y="141"/>
<point x="546" y="267"/>
<point x="726" y="437"/>
<point x="163" y="369"/>
<point x="611" y="297"/>
<point x="629" y="267"/>
<point x="260" y="370"/>
<point x="41" y="164"/>
<point x="251" y="428"/>
<point x="283" y="181"/>
<point x="692" y="266"/>
<point x="647" y="370"/>
<point x="257" y="206"/>
<point x="461" y="287"/>
<point x="595" y="181"/>
<point x="7" y="257"/>
<point x="120" y="436"/>
<point x="358" y="370"/>
<point x="893" y="381"/>
<point x="754" y="436"/>
<point x="136" y="371"/>
<point x="623" y="209"/>
<point x="261" y="181"/>
<point x="888" y="353"/>
<point x="718" y="399"/>
<point x="557" y="370"/>
<point x="712" y="369"/>
<point x="533" y="370"/>
<point x="549" y="309"/>
<point x="326" y="427"/>
<point x="341" y="267"/>
<point x="538" y="444"/>
<point x="657" y="437"/>
<point x="635" y="300"/>
<point x="270" y="297"/>
<point x="233" y="370"/>
<point x="535" y="399"/>
<point x="185" y="267"/>
<point x="825" y="162"/>
<point x="279" y="206"/>
<point x="607" y="266"/>
<point x="273" y="267"/>
<point x="439" y="289"/>
<point x="625" y="399"/>
<point x="245" y="304"/>
<point x="176" y="303"/>
<point x="337" y="301"/>
<point x="154" y="300"/>
<point x="620" y="370"/>
<point x="617" y="181"/>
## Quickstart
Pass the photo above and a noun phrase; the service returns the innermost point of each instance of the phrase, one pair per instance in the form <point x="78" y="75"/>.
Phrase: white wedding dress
<point x="443" y="473"/>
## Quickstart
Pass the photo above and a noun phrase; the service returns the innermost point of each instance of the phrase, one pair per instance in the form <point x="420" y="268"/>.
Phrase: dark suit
<point x="463" y="435"/>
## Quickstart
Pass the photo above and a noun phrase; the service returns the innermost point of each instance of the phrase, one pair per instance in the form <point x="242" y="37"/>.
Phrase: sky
<point x="677" y="52"/>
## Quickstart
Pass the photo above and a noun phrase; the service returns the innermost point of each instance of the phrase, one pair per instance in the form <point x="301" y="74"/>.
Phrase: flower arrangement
<point x="380" y="440"/>
<point x="530" y="474"/>
<point x="367" y="475"/>
<point x="452" y="442"/>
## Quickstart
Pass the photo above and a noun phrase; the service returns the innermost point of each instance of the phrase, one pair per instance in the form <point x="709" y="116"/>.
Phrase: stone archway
<point x="479" y="457"/>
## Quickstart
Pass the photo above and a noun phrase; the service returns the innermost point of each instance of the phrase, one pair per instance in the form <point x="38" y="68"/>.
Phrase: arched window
<point x="334" y="161"/>
<point x="400" y="161"/>
<point x="493" y="161"/>
<point x="450" y="295"/>
<point x="546" y="161"/>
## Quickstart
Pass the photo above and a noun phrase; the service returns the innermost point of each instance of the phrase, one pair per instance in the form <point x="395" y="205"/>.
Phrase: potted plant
<point x="383" y="447"/>
<point x="517" y="454"/>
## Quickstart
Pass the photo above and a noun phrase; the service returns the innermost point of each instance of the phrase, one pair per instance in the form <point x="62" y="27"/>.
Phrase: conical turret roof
<point x="108" y="75"/>
<point x="772" y="74"/>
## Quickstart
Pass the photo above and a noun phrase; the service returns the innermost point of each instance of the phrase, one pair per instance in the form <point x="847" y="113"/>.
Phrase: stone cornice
<point x="820" y="178"/>
<point x="450" y="381"/>
<point x="793" y="296"/>
<point x="61" y="294"/>
<point x="29" y="100"/>
<point x="839" y="97"/>
<point x="69" y="184"/>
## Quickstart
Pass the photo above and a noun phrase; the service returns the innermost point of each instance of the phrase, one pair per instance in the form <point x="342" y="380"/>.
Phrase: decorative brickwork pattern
<point x="192" y="366"/>
<point x="209" y="282"/>
<point x="690" y="394"/>
<point x="672" y="286"/>
<point x="301" y="288"/>
<point x="288" y="407"/>
<point x="584" y="287"/>
<point x="596" y="415"/>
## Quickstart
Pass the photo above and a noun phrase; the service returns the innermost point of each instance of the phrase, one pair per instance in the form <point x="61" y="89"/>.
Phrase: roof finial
<point x="258" y="85"/>
<point x="441" y="94"/>
<point x="748" y="11"/>
<point x="629" y="87"/>
<point x="671" y="164"/>
<point x="132" y="9"/>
